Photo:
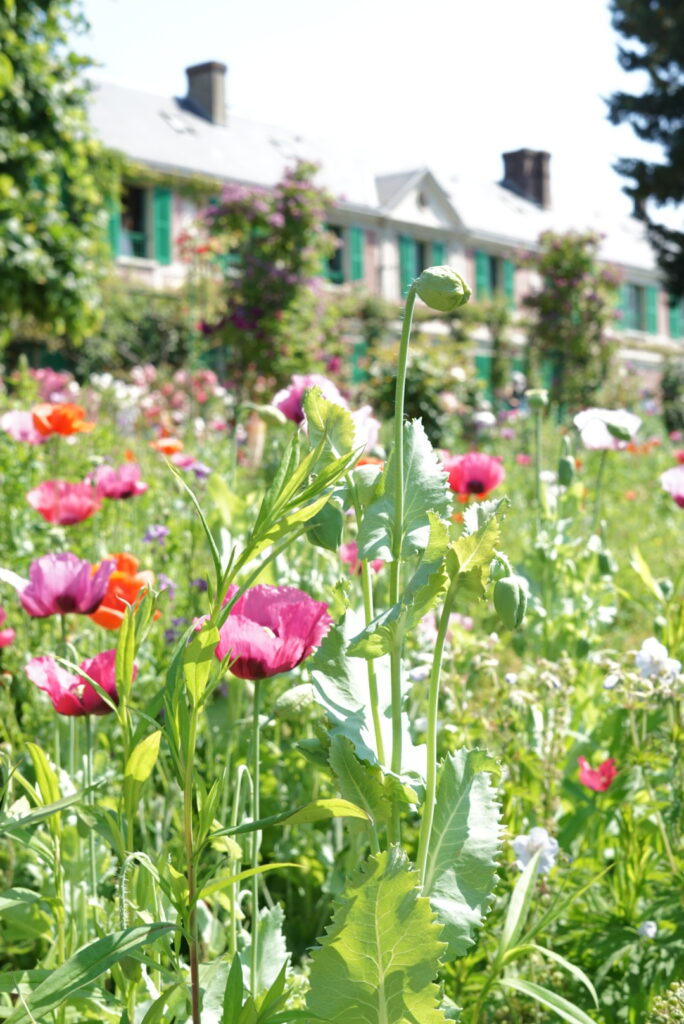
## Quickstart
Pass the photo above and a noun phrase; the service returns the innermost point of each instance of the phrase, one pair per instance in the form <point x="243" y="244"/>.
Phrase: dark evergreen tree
<point x="657" y="29"/>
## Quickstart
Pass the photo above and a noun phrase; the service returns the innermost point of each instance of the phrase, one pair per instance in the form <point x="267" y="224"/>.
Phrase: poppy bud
<point x="498" y="569"/>
<point x="443" y="289"/>
<point x="537" y="398"/>
<point x="510" y="600"/>
<point x="566" y="470"/>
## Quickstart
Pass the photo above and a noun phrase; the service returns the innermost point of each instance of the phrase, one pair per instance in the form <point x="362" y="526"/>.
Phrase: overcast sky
<point x="447" y="84"/>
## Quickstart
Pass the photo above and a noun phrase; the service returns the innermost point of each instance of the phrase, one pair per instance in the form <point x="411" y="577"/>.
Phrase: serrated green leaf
<point x="470" y="555"/>
<point x="377" y="962"/>
<point x="425" y="490"/>
<point x="271" y="950"/>
<point x="463" y="846"/>
<point x="83" y="967"/>
<point x="551" y="1000"/>
<point x="330" y="423"/>
<point x="359" y="781"/>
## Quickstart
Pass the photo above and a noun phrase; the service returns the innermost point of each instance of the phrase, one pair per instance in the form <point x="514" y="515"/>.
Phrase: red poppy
<point x="599" y="779"/>
<point x="474" y="475"/>
<point x="126" y="586"/>
<point x="60" y="418"/>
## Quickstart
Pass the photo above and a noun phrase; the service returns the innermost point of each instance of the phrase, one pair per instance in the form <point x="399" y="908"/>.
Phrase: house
<point x="390" y="226"/>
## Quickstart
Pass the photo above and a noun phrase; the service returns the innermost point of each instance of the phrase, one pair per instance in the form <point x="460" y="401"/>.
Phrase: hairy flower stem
<point x="398" y="544"/>
<point x="433" y="702"/>
<point x="537" y="459"/>
<point x="256" y="842"/>
<point x="193" y="940"/>
<point x="88" y="764"/>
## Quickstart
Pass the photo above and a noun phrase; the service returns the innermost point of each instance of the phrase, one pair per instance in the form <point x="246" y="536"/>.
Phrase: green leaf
<point x="641" y="568"/>
<point x="519" y="906"/>
<point x="199" y="660"/>
<point x="224" y="880"/>
<point x="272" y="952"/>
<point x="377" y="962"/>
<point x="463" y="846"/>
<point x="12" y="898"/>
<point x="10" y="826"/>
<point x="325" y="528"/>
<point x="562" y="1007"/>
<point x="470" y="555"/>
<point x="46" y="777"/>
<point x="359" y="781"/>
<point x="425" y="490"/>
<point x="83" y="967"/>
<point x="232" y="997"/>
<point x="227" y="502"/>
<point x="330" y="423"/>
<point x="317" y="810"/>
<point x="576" y="972"/>
<point x="143" y="758"/>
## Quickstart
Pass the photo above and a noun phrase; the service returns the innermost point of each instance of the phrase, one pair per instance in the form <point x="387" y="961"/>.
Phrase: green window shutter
<point x="114" y="211"/>
<point x="509" y="282"/>
<point x="483" y="372"/>
<point x="161" y="224"/>
<point x="676" y="319"/>
<point x="438" y="254"/>
<point x="482" y="278"/>
<point x="652" y="310"/>
<point x="408" y="260"/>
<point x="357" y="238"/>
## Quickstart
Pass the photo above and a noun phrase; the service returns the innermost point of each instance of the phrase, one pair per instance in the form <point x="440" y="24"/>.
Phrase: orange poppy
<point x="167" y="445"/>
<point x="60" y="418"/>
<point x="370" y="460"/>
<point x="126" y="586"/>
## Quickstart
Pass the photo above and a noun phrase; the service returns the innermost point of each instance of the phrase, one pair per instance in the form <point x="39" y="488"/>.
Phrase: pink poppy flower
<point x="20" y="426"/>
<point x="289" y="400"/>
<point x="599" y="779"/>
<point x="69" y="692"/>
<point x="474" y="474"/>
<point x="270" y="630"/>
<point x="63" y="503"/>
<point x="59" y="584"/>
<point x="523" y="459"/>
<point x="123" y="482"/>
<point x="7" y="636"/>
<point x="672" y="481"/>
<point x="349" y="555"/>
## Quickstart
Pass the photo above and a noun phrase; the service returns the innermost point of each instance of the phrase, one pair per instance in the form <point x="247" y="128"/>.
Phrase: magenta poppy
<point x="599" y="779"/>
<point x="672" y="481"/>
<point x="349" y="556"/>
<point x="59" y="584"/>
<point x="270" y="630"/>
<point x="123" y="482"/>
<point x="474" y="474"/>
<point x="18" y="423"/>
<point x="63" y="503"/>
<point x="69" y="692"/>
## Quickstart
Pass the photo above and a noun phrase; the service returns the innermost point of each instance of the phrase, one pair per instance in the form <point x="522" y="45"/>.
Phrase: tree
<point x="571" y="312"/>
<point x="53" y="174"/>
<point x="656" y="116"/>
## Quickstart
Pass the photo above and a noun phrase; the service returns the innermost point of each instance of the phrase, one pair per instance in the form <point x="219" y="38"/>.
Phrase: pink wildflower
<point x="20" y="426"/>
<point x="599" y="779"/>
<point x="289" y="400"/>
<point x="474" y="474"/>
<point x="349" y="555"/>
<point x="59" y="584"/>
<point x="7" y="636"/>
<point x="123" y="482"/>
<point x="63" y="503"/>
<point x="69" y="692"/>
<point x="672" y="481"/>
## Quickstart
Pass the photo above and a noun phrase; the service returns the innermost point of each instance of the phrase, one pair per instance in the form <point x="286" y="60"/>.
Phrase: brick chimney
<point x="207" y="90"/>
<point x="526" y="172"/>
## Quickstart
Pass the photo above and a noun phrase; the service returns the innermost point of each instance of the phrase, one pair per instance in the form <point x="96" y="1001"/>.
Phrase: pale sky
<point x="447" y="84"/>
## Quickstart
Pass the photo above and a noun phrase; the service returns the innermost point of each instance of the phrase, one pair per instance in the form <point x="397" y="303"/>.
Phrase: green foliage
<point x="669" y="1008"/>
<point x="370" y="969"/>
<point x="672" y="395"/>
<point x="463" y="847"/>
<point x="53" y="175"/>
<point x="654" y="32"/>
<point x="570" y="315"/>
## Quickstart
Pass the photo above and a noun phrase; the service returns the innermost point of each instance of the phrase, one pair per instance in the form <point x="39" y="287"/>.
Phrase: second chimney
<point x="526" y="172"/>
<point x="207" y="90"/>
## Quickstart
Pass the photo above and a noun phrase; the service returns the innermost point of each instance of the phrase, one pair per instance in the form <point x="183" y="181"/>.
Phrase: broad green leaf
<point x="463" y="846"/>
<point x="325" y="528"/>
<point x="377" y="962"/>
<point x="359" y="781"/>
<point x="143" y="758"/>
<point x="11" y="898"/>
<point x="330" y="423"/>
<point x="470" y="555"/>
<point x="341" y="688"/>
<point x="519" y="905"/>
<point x="425" y="490"/>
<point x="560" y="1006"/>
<point x="83" y="967"/>
<point x="199" y="660"/>
<point x="46" y="777"/>
<point x="272" y="952"/>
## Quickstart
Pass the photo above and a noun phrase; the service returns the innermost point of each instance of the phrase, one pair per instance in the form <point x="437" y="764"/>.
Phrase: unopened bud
<point x="443" y="289"/>
<point x="566" y="470"/>
<point x="537" y="398"/>
<point x="510" y="600"/>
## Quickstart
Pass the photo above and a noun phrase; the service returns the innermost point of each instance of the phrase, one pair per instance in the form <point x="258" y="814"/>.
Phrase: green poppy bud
<point x="537" y="398"/>
<point x="566" y="470"/>
<point x="498" y="569"/>
<point x="510" y="600"/>
<point x="443" y="289"/>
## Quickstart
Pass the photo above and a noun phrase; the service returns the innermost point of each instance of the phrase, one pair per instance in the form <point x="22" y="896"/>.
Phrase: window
<point x="334" y="267"/>
<point x="413" y="259"/>
<point x="140" y="223"/>
<point x="494" y="275"/>
<point x="676" y="317"/>
<point x="639" y="307"/>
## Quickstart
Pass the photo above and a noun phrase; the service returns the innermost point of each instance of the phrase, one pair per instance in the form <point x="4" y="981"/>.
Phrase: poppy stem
<point x="88" y="764"/>
<point x="190" y="867"/>
<point x="597" y="499"/>
<point x="256" y="842"/>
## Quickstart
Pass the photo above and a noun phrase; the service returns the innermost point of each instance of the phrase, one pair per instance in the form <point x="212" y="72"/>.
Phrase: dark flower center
<point x="65" y="603"/>
<point x="475" y="487"/>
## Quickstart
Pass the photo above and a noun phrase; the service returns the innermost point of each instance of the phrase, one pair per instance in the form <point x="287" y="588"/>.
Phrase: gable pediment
<point x="417" y="198"/>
